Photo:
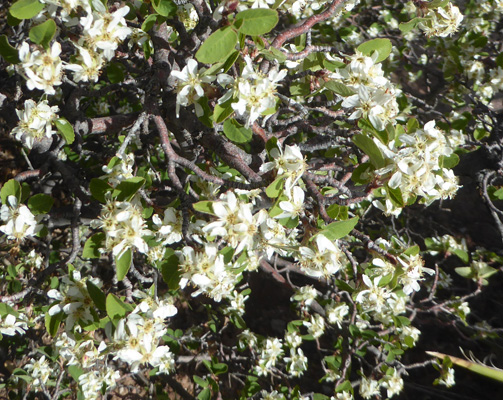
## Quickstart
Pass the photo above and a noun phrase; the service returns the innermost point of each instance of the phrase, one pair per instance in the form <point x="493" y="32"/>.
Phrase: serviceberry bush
<point x="196" y="204"/>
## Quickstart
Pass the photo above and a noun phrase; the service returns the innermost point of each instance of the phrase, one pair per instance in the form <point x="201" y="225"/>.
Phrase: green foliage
<point x="42" y="34"/>
<point x="236" y="132"/>
<point x="10" y="188"/>
<point x="66" y="130"/>
<point x="219" y="45"/>
<point x="26" y="9"/>
<point x="257" y="21"/>
<point x="381" y="46"/>
<point x="9" y="53"/>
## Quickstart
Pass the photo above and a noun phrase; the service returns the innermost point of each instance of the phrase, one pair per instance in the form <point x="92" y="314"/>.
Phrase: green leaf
<point x="5" y="310"/>
<point x="53" y="322"/>
<point x="382" y="46"/>
<point x="75" y="371"/>
<point x="115" y="72"/>
<point x="170" y="272"/>
<point x="116" y="308"/>
<point x="480" y="133"/>
<point x="40" y="203"/>
<point x="97" y="295"/>
<point x="26" y="9"/>
<point x="336" y="211"/>
<point x="66" y="130"/>
<point x="205" y="394"/>
<point x="128" y="188"/>
<point x="8" y="52"/>
<point x="200" y="381"/>
<point x="149" y="22"/>
<point x="219" y="45"/>
<point x="273" y="53"/>
<point x="395" y="195"/>
<point x="366" y="126"/>
<point x="333" y="65"/>
<point x="368" y="146"/>
<point x="406" y="27"/>
<point x="166" y="8"/>
<point x="360" y="175"/>
<point x="257" y="21"/>
<point x="98" y="188"/>
<point x="236" y="132"/>
<point x="222" y="112"/>
<point x="339" y="229"/>
<point x="412" y="125"/>
<point x="275" y="188"/>
<point x="319" y="396"/>
<point x="449" y="161"/>
<point x="230" y="61"/>
<point x="92" y="246"/>
<point x="122" y="264"/>
<point x="339" y="88"/>
<point x="499" y="60"/>
<point x="437" y="3"/>
<point x="43" y="33"/>
<point x="204" y="207"/>
<point x="10" y="188"/>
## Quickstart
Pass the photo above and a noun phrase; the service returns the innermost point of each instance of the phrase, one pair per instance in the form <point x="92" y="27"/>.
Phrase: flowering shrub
<point x="192" y="165"/>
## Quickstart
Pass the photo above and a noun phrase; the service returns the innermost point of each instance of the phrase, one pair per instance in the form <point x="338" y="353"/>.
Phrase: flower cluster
<point x="253" y="90"/>
<point x="35" y="122"/>
<point x="124" y="227"/>
<point x="375" y="96"/>
<point x="416" y="167"/>
<point x="20" y="223"/>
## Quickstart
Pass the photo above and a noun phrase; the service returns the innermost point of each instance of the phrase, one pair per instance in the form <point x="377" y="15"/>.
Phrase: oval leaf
<point x="236" y="132"/>
<point x="339" y="88"/>
<point x="368" y="146"/>
<point x="26" y="9"/>
<point x="339" y="229"/>
<point x="8" y="52"/>
<point x="97" y="295"/>
<point x="10" y="188"/>
<point x="165" y="8"/>
<point x="40" y="203"/>
<point x="98" y="188"/>
<point x="66" y="130"/>
<point x="116" y="308"/>
<point x="257" y="21"/>
<point x="92" y="246"/>
<point x="42" y="34"/>
<point x="122" y="264"/>
<point x="128" y="188"/>
<point x="204" y="207"/>
<point x="382" y="46"/>
<point x="218" y="46"/>
<point x="275" y="188"/>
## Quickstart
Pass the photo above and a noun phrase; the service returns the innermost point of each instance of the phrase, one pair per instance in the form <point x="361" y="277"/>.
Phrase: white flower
<point x="35" y="122"/>
<point x="170" y="228"/>
<point x="190" y="86"/>
<point x="89" y="67"/>
<point x="324" y="260"/>
<point x="368" y="103"/>
<point x="42" y="69"/>
<point x="295" y="204"/>
<point x="447" y="378"/>
<point x="369" y="388"/>
<point x="40" y="371"/>
<point x="104" y="31"/>
<point x="10" y="326"/>
<point x="336" y="313"/>
<point x="21" y="223"/>
<point x="393" y="383"/>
